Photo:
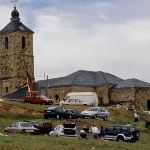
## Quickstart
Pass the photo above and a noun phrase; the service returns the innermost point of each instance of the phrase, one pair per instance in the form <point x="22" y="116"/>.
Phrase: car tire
<point x="70" y="116"/>
<point x="120" y="139"/>
<point x="83" y="117"/>
<point x="105" y="118"/>
<point x="45" y="117"/>
<point x="94" y="117"/>
<point x="57" y="117"/>
<point x="6" y="132"/>
<point x="42" y="103"/>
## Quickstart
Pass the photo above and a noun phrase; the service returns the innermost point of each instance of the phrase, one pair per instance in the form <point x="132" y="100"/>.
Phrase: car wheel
<point x="6" y="132"/>
<point x="120" y="139"/>
<point x="83" y="117"/>
<point x="42" y="103"/>
<point x="95" y="116"/>
<point x="105" y="118"/>
<point x="45" y="117"/>
<point x="57" y="117"/>
<point x="70" y="116"/>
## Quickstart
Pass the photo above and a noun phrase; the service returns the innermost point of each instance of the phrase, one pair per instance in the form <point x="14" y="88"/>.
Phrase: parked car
<point x="75" y="113"/>
<point x="22" y="127"/>
<point x="35" y="97"/>
<point x="70" y="130"/>
<point x="43" y="127"/>
<point x="57" y="112"/>
<point x="58" y="131"/>
<point x="122" y="133"/>
<point x="95" y="112"/>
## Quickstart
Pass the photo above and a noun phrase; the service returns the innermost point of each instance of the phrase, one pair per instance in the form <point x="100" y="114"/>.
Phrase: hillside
<point x="11" y="111"/>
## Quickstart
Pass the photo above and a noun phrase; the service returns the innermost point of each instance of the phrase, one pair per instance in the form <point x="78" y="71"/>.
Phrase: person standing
<point x="95" y="132"/>
<point x="135" y="117"/>
<point x="102" y="132"/>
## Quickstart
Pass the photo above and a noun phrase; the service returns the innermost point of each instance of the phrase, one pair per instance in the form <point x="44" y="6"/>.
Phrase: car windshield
<point x="51" y="108"/>
<point x="92" y="109"/>
<point x="41" y="96"/>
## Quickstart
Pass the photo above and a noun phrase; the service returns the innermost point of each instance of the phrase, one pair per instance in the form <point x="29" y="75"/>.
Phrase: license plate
<point x="48" y="111"/>
<point x="30" y="130"/>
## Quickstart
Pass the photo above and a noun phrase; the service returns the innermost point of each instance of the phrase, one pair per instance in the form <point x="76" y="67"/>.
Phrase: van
<point x="80" y="98"/>
<point x="35" y="97"/>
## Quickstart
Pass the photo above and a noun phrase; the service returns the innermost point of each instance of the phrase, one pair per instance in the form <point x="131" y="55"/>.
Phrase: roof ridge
<point x="103" y="76"/>
<point x="76" y="76"/>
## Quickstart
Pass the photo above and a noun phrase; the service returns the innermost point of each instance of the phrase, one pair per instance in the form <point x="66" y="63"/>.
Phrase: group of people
<point x="97" y="134"/>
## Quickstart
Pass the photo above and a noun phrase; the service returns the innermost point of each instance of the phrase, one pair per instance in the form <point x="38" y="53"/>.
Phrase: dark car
<point x="57" y="112"/>
<point x="122" y="133"/>
<point x="75" y="113"/>
<point x="43" y="128"/>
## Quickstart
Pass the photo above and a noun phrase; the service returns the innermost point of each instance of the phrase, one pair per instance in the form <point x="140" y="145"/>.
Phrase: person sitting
<point x="83" y="134"/>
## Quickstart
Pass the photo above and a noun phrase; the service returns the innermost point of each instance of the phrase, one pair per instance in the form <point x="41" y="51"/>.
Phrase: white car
<point x="73" y="102"/>
<point x="58" y="131"/>
<point x="22" y="127"/>
<point x="95" y="112"/>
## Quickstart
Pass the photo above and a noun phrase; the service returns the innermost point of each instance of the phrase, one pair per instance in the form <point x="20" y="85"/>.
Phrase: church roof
<point x="81" y="78"/>
<point x="131" y="83"/>
<point x="15" y="24"/>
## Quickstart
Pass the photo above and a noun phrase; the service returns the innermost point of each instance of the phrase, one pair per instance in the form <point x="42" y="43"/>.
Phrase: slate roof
<point x="15" y="24"/>
<point x="81" y="78"/>
<point x="131" y="83"/>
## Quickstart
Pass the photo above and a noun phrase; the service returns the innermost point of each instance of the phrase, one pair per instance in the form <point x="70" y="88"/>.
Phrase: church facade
<point x="16" y="54"/>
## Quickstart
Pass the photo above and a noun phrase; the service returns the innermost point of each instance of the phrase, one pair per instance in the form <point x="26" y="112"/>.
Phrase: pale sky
<point x="112" y="36"/>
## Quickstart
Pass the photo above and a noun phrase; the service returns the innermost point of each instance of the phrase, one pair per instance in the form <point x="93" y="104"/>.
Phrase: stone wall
<point x="103" y="94"/>
<point x="15" y="60"/>
<point x="137" y="96"/>
<point x="64" y="90"/>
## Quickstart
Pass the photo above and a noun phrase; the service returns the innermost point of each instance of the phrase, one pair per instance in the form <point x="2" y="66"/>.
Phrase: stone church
<point x="16" y="54"/>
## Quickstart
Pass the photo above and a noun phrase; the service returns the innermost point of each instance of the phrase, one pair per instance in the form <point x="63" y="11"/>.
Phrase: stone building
<point x="109" y="88"/>
<point x="16" y="54"/>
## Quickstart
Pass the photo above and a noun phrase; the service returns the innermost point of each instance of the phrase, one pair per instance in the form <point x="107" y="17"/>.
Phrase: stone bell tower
<point x="16" y="54"/>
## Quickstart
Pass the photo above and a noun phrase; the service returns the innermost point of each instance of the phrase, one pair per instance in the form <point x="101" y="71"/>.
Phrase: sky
<point x="112" y="36"/>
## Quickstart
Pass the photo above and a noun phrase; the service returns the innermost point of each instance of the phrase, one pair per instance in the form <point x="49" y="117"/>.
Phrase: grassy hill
<point x="18" y="111"/>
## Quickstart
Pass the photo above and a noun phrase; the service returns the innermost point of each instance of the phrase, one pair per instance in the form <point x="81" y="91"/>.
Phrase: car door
<point x="64" y="113"/>
<point x="71" y="102"/>
<point x="109" y="132"/>
<point x="101" y="113"/>
<point x="115" y="132"/>
<point x="14" y="127"/>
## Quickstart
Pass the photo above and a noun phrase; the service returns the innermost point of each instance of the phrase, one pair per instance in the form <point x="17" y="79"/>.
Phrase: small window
<point x="124" y="129"/>
<point x="6" y="89"/>
<point x="109" y="128"/>
<point x="23" y="42"/>
<point x="148" y="104"/>
<point x="6" y="42"/>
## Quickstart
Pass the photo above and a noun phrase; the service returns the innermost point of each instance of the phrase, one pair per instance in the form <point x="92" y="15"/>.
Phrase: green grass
<point x="16" y="111"/>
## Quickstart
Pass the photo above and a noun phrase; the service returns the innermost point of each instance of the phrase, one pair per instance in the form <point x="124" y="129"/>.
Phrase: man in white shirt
<point x="135" y="117"/>
<point x="95" y="132"/>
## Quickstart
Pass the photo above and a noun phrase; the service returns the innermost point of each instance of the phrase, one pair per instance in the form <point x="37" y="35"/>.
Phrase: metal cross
<point x="14" y="1"/>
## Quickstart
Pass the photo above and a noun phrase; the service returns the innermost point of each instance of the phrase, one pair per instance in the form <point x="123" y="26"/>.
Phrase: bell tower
<point x="16" y="54"/>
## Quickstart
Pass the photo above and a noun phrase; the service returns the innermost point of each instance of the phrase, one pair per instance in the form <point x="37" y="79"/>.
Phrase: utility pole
<point x="47" y="88"/>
